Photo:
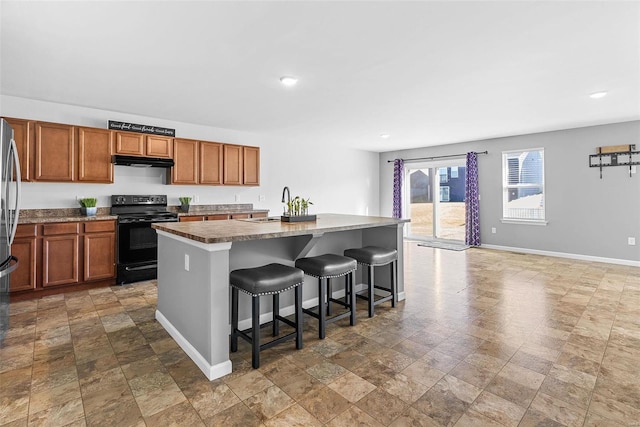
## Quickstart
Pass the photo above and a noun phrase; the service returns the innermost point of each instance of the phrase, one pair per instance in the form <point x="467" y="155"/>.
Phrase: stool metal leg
<point x="276" y="313"/>
<point x="394" y="292"/>
<point x="350" y="283"/>
<point x="234" y="319"/>
<point x="371" y="289"/>
<point x="321" y="309"/>
<point x="329" y="296"/>
<point x="298" y="305"/>
<point x="255" y="332"/>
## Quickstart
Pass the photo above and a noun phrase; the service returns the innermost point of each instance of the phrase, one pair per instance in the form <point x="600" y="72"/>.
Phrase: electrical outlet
<point x="631" y="241"/>
<point x="633" y="169"/>
<point x="493" y="230"/>
<point x="261" y="198"/>
<point x="196" y="198"/>
<point x="237" y="197"/>
<point x="186" y="262"/>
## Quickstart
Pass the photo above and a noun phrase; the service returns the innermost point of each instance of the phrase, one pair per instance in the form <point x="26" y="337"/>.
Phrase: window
<point x="444" y="177"/>
<point x="523" y="185"/>
<point x="444" y="194"/>
<point x="454" y="172"/>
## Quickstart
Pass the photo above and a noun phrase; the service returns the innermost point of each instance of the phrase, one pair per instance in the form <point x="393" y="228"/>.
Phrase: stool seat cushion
<point x="265" y="280"/>
<point x="372" y="255"/>
<point x="328" y="265"/>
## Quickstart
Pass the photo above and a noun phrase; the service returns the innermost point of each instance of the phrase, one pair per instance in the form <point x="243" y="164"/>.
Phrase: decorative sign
<point x="132" y="127"/>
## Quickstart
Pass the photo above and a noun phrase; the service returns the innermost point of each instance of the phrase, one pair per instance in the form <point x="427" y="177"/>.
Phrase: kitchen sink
<point x="265" y="219"/>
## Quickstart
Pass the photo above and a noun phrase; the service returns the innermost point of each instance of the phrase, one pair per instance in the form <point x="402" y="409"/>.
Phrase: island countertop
<point x="239" y="230"/>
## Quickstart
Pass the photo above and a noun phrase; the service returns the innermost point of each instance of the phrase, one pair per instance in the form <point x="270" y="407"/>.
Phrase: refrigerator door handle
<point x="16" y="214"/>
<point x="8" y="270"/>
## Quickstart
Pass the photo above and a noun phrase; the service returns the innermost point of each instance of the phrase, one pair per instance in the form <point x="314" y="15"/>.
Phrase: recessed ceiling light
<point x="597" y="95"/>
<point x="288" y="80"/>
<point x="384" y="135"/>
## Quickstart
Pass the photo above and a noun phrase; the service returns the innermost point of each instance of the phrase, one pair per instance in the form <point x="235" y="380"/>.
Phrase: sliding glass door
<point x="435" y="201"/>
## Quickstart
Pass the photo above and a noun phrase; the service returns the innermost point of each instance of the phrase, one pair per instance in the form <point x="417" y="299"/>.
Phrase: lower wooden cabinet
<point x="62" y="254"/>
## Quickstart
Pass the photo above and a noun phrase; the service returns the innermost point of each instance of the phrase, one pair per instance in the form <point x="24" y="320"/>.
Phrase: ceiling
<point x="427" y="73"/>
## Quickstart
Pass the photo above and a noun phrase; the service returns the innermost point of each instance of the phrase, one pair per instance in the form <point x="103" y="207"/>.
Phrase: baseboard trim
<point x="211" y="371"/>
<point x="579" y="257"/>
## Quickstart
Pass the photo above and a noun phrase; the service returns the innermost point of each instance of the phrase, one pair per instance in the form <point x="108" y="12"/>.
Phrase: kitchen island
<point x="195" y="258"/>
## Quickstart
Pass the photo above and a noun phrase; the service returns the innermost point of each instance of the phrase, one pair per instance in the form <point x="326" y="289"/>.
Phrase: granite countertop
<point x="238" y="230"/>
<point x="205" y="212"/>
<point x="42" y="216"/>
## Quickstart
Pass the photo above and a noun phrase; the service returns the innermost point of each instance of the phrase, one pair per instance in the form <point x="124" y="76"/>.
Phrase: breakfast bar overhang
<point x="195" y="258"/>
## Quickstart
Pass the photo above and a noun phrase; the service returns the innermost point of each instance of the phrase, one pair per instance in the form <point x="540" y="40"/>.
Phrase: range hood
<point x="142" y="162"/>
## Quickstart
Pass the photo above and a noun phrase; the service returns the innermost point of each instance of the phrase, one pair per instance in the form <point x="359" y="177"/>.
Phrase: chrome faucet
<point x="286" y="190"/>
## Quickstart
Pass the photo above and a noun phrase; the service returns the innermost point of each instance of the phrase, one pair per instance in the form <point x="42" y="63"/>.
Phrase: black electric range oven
<point x="137" y="242"/>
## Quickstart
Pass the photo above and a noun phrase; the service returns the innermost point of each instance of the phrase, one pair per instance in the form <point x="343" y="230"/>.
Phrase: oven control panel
<point x="133" y="200"/>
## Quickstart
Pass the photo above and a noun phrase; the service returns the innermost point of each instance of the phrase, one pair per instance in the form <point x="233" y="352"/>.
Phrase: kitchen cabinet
<point x="259" y="215"/>
<point x="191" y="218"/>
<point x="95" y="147"/>
<point x="54" y="152"/>
<point x="185" y="157"/>
<point x="251" y="165"/>
<point x="217" y="217"/>
<point x="60" y="245"/>
<point x="63" y="255"/>
<point x="25" y="248"/>
<point x="24" y="134"/>
<point x="210" y="166"/>
<point x="232" y="170"/>
<point x="99" y="250"/>
<point x="240" y="216"/>
<point x="196" y="162"/>
<point x="138" y="144"/>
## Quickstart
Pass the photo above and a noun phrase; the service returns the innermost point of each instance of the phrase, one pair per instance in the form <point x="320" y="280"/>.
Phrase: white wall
<point x="336" y="179"/>
<point x="586" y="215"/>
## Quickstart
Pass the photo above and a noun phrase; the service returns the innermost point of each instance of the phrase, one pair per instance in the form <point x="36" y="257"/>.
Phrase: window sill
<point x="524" y="221"/>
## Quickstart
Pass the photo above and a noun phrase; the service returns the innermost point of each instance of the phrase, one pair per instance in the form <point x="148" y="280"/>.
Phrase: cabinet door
<point x="185" y="157"/>
<point x="23" y="134"/>
<point x="232" y="164"/>
<point x="159" y="146"/>
<point x="24" y="277"/>
<point x="60" y="260"/>
<point x="251" y="165"/>
<point x="55" y="154"/>
<point x="191" y="218"/>
<point x="259" y="215"/>
<point x="95" y="147"/>
<point x="210" y="163"/>
<point x="130" y="144"/>
<point x="99" y="256"/>
<point x="217" y="217"/>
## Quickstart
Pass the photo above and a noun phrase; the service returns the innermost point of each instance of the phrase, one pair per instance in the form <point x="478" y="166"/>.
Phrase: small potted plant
<point x="89" y="205"/>
<point x="184" y="203"/>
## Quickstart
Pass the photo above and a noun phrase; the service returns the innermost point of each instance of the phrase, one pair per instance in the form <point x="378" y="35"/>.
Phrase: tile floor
<point x="484" y="338"/>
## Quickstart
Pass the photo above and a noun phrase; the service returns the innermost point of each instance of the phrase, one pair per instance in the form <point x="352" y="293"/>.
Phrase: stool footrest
<point x="329" y="319"/>
<point x="287" y="321"/>
<point x="247" y="337"/>
<point x="337" y="301"/>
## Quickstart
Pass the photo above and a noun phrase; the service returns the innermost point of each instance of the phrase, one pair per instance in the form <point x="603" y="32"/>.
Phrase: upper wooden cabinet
<point x="251" y="165"/>
<point x="24" y="134"/>
<point x="233" y="157"/>
<point x="196" y="162"/>
<point x="95" y="147"/>
<point x="185" y="158"/>
<point x="210" y="163"/>
<point x="138" y="144"/>
<point x="54" y="152"/>
<point x="241" y="165"/>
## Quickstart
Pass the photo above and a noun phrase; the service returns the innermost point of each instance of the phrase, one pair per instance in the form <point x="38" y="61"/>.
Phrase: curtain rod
<point x="435" y="157"/>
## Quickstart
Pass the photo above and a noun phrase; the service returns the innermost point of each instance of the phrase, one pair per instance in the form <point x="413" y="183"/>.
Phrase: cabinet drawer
<point x="259" y="215"/>
<point x="217" y="217"/>
<point x="191" y="218"/>
<point x="60" y="228"/>
<point x="240" y="216"/>
<point x="99" y="226"/>
<point x="26" y="230"/>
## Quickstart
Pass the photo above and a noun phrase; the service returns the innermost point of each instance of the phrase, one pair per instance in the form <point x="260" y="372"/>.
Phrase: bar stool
<point x="271" y="279"/>
<point x="374" y="256"/>
<point x="324" y="268"/>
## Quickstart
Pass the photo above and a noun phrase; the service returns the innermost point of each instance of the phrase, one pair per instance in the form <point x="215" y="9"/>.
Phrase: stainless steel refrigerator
<point x="10" y="207"/>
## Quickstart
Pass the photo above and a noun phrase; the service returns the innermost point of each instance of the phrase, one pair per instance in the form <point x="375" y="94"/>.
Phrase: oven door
<point x="137" y="242"/>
